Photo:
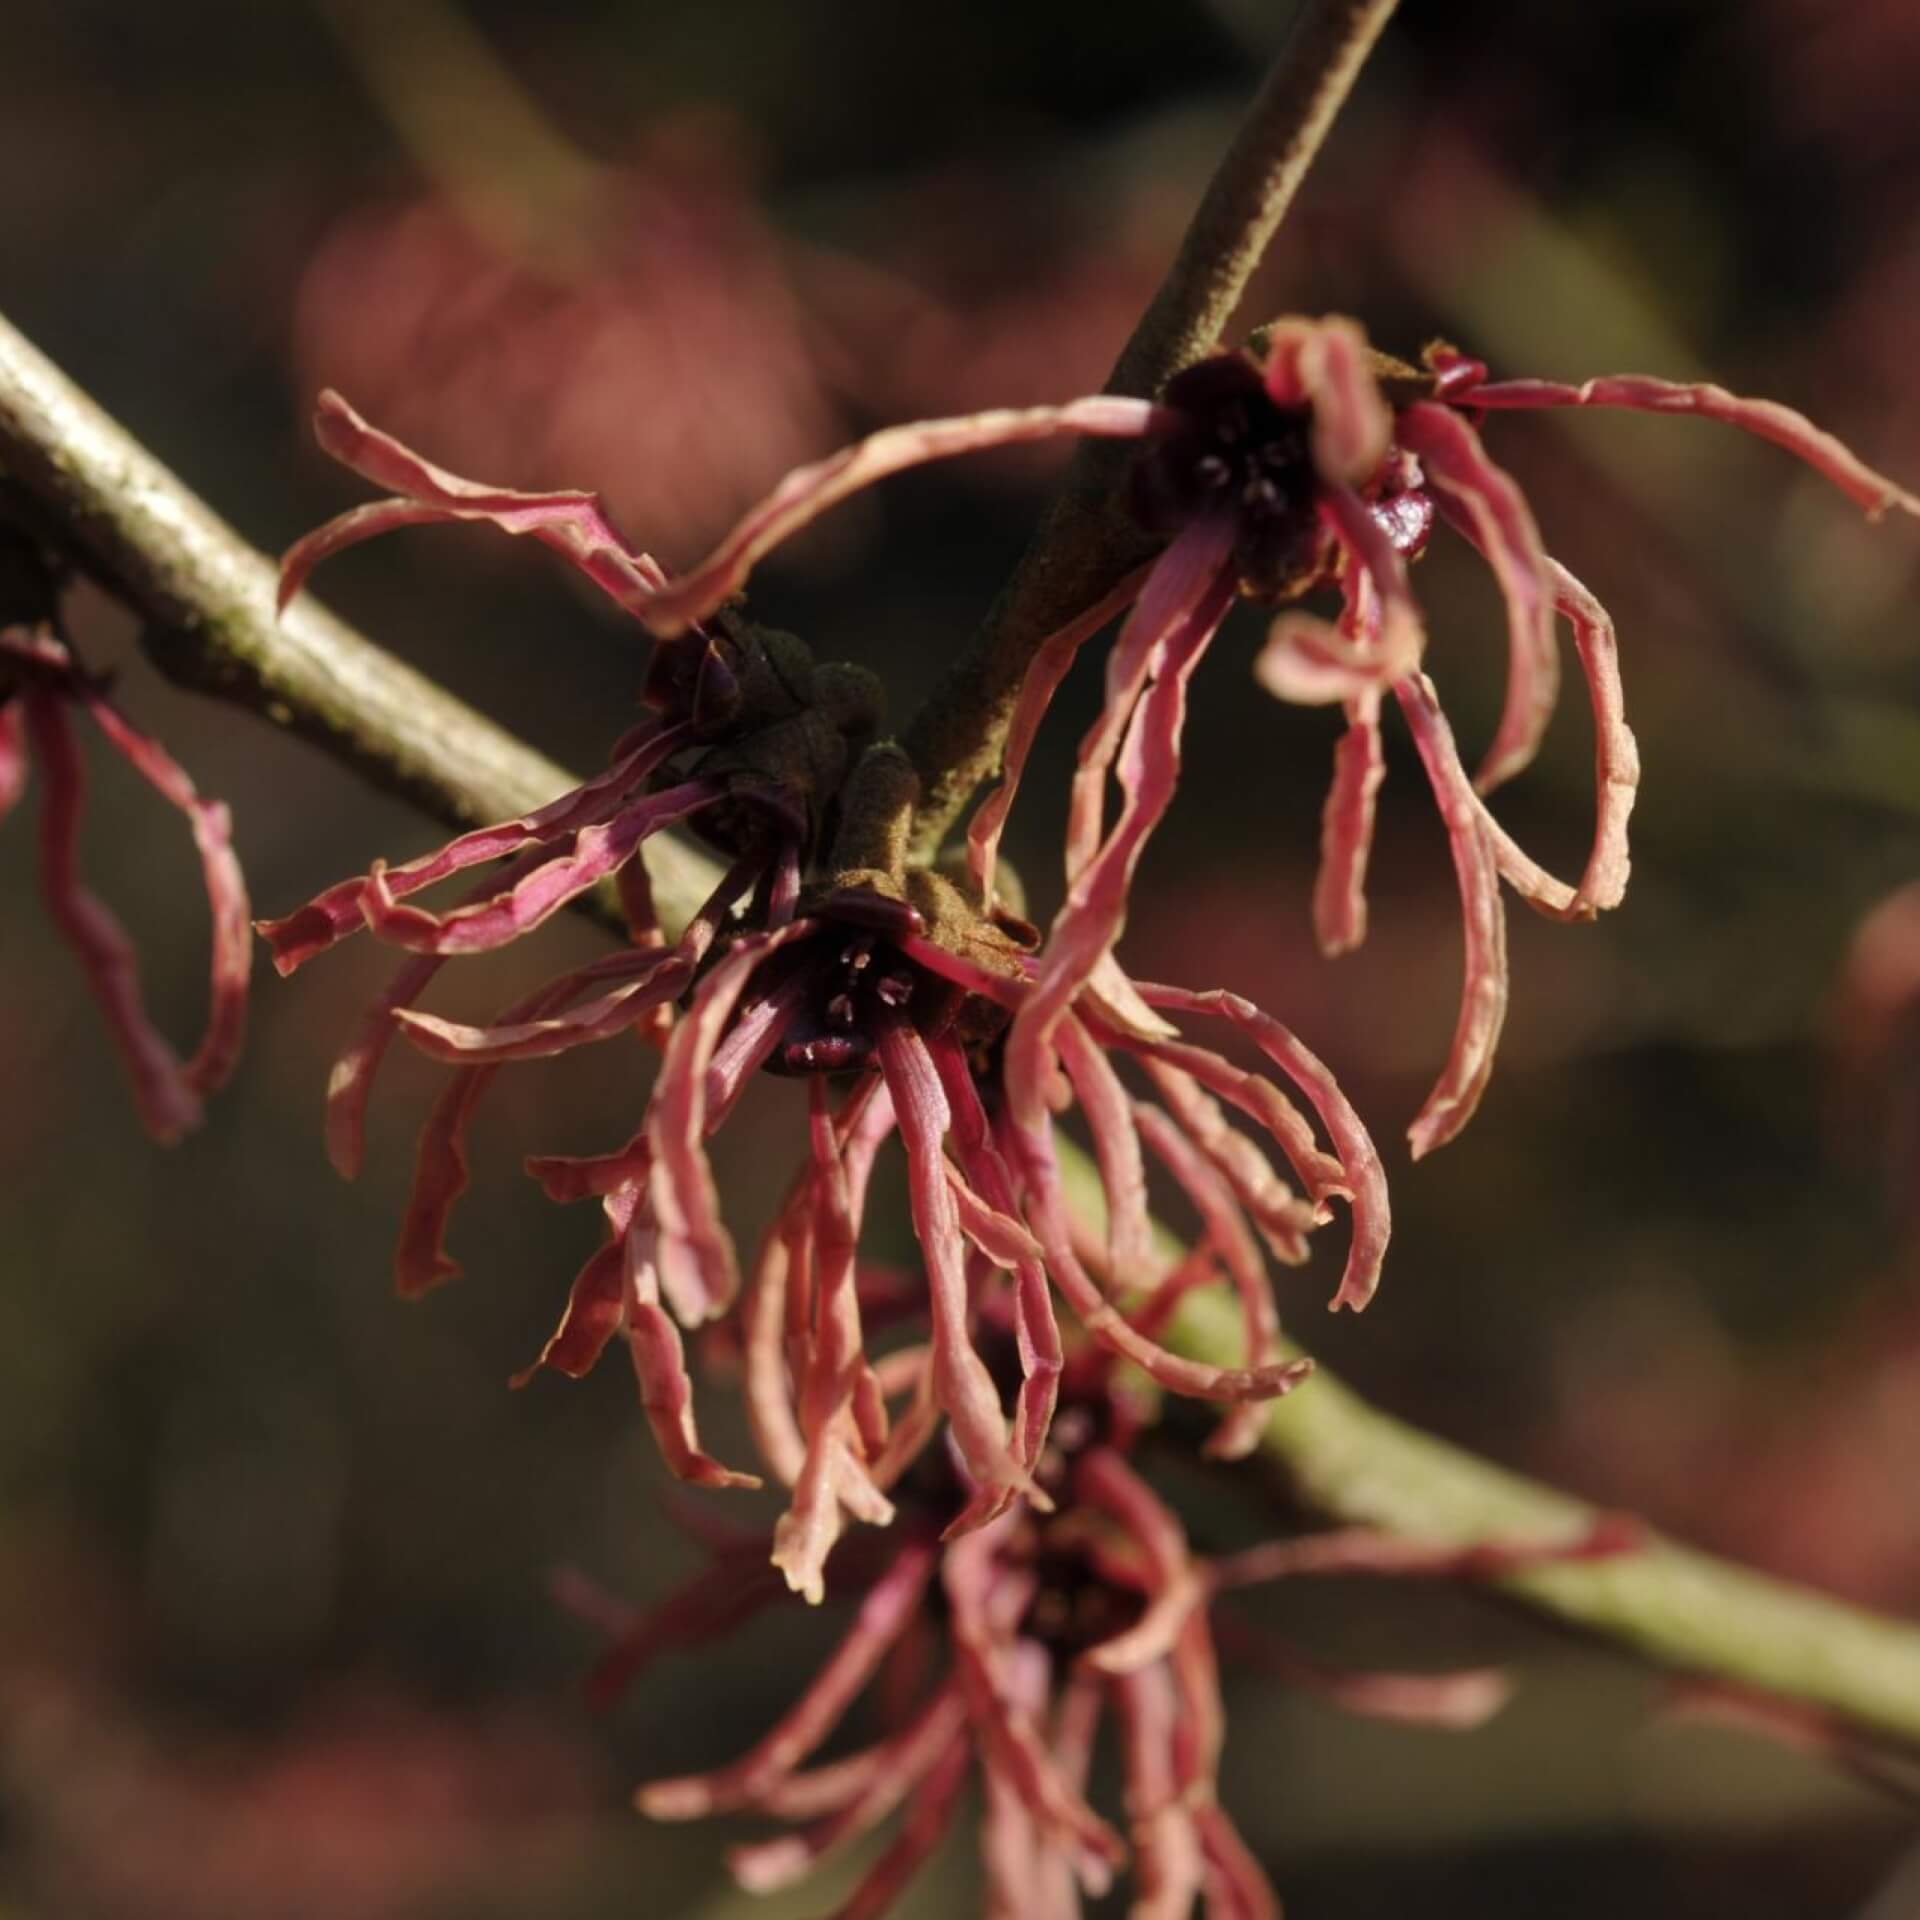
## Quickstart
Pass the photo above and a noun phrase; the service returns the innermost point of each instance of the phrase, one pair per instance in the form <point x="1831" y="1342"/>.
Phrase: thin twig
<point x="206" y="599"/>
<point x="1085" y="541"/>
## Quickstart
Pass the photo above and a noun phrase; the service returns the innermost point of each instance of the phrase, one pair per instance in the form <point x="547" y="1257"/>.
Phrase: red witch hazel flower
<point x="912" y="1010"/>
<point x="42" y="685"/>
<point x="1006" y="1649"/>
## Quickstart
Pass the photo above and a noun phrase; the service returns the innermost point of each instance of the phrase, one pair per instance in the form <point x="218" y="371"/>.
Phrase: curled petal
<point x="572" y="523"/>
<point x="596" y="1308"/>
<point x="1050" y="663"/>
<point x="1483" y="988"/>
<point x="1105" y="1324"/>
<point x="962" y="1384"/>
<point x="809" y="491"/>
<point x="1344" y="1551"/>
<point x="662" y="979"/>
<point x="1116" y="1146"/>
<point x="598" y="851"/>
<point x="1308" y="662"/>
<point x="1228" y="1234"/>
<point x="660" y="1370"/>
<point x="1327" y="365"/>
<point x="697" y="1266"/>
<point x="1009" y="1740"/>
<point x="902" y="1763"/>
<point x="1641" y="393"/>
<point x="167" y="1103"/>
<point x="335" y="914"/>
<point x="1616" y="770"/>
<point x="1168" y="1867"/>
<point x="928" y="1815"/>
<point x="1283" y="1217"/>
<point x="226" y="889"/>
<point x="885" y="1614"/>
<point x="1402" y="635"/>
<point x="1362" y="1176"/>
<point x="1482" y="500"/>
<point x="1346" y="830"/>
<point x="1175" y="1587"/>
<point x="1185" y="597"/>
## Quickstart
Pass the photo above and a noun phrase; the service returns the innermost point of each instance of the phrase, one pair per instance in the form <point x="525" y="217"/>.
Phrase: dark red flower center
<point x="853" y="981"/>
<point x="1236" y="452"/>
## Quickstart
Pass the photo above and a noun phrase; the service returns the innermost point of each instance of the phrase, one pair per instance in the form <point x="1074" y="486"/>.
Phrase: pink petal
<point x="660" y="1370"/>
<point x="1228" y="1234"/>
<point x="1641" y="393"/>
<point x="226" y="889"/>
<point x="1167" y="1868"/>
<point x="1340" y="1552"/>
<point x="571" y="523"/>
<point x="1049" y="1215"/>
<point x="697" y="1265"/>
<point x="1402" y="633"/>
<point x="596" y="1307"/>
<point x="598" y="851"/>
<point x="1010" y="1742"/>
<point x="1455" y="1702"/>
<point x="1050" y="663"/>
<point x="1326" y="364"/>
<point x="1104" y="1481"/>
<point x="1483" y="988"/>
<point x="166" y="1102"/>
<point x="903" y="1762"/>
<point x="928" y="1816"/>
<point x="1482" y="500"/>
<point x="1346" y="831"/>
<point x="1361" y="1173"/>
<point x="1123" y="1177"/>
<point x="662" y="979"/>
<point x="1283" y="1217"/>
<point x="1192" y="575"/>
<point x="13" y="756"/>
<point x="962" y="1384"/>
<point x="987" y="1217"/>
<point x="887" y="1611"/>
<point x="809" y="491"/>
<point x="335" y="914"/>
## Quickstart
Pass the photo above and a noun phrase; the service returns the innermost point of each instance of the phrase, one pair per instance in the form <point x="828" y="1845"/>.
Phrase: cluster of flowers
<point x="917" y="1004"/>
<point x="42" y="687"/>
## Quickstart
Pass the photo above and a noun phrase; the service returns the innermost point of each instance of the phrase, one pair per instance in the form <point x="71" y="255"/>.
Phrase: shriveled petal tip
<point x="809" y="491"/>
<point x="1828" y="456"/>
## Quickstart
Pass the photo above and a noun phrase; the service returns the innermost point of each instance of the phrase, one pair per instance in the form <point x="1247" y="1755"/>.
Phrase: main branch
<point x="1085" y="541"/>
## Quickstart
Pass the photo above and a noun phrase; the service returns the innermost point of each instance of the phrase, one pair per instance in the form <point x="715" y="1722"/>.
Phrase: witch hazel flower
<point x="1312" y="462"/>
<point x="1003" y="1652"/>
<point x="824" y="954"/>
<point x="43" y="686"/>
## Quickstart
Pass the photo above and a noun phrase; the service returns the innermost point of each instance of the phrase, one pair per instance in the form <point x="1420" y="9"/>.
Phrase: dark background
<point x="275" y="1635"/>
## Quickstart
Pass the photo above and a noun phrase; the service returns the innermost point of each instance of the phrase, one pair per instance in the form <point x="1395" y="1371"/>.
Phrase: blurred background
<point x="275" y="1627"/>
